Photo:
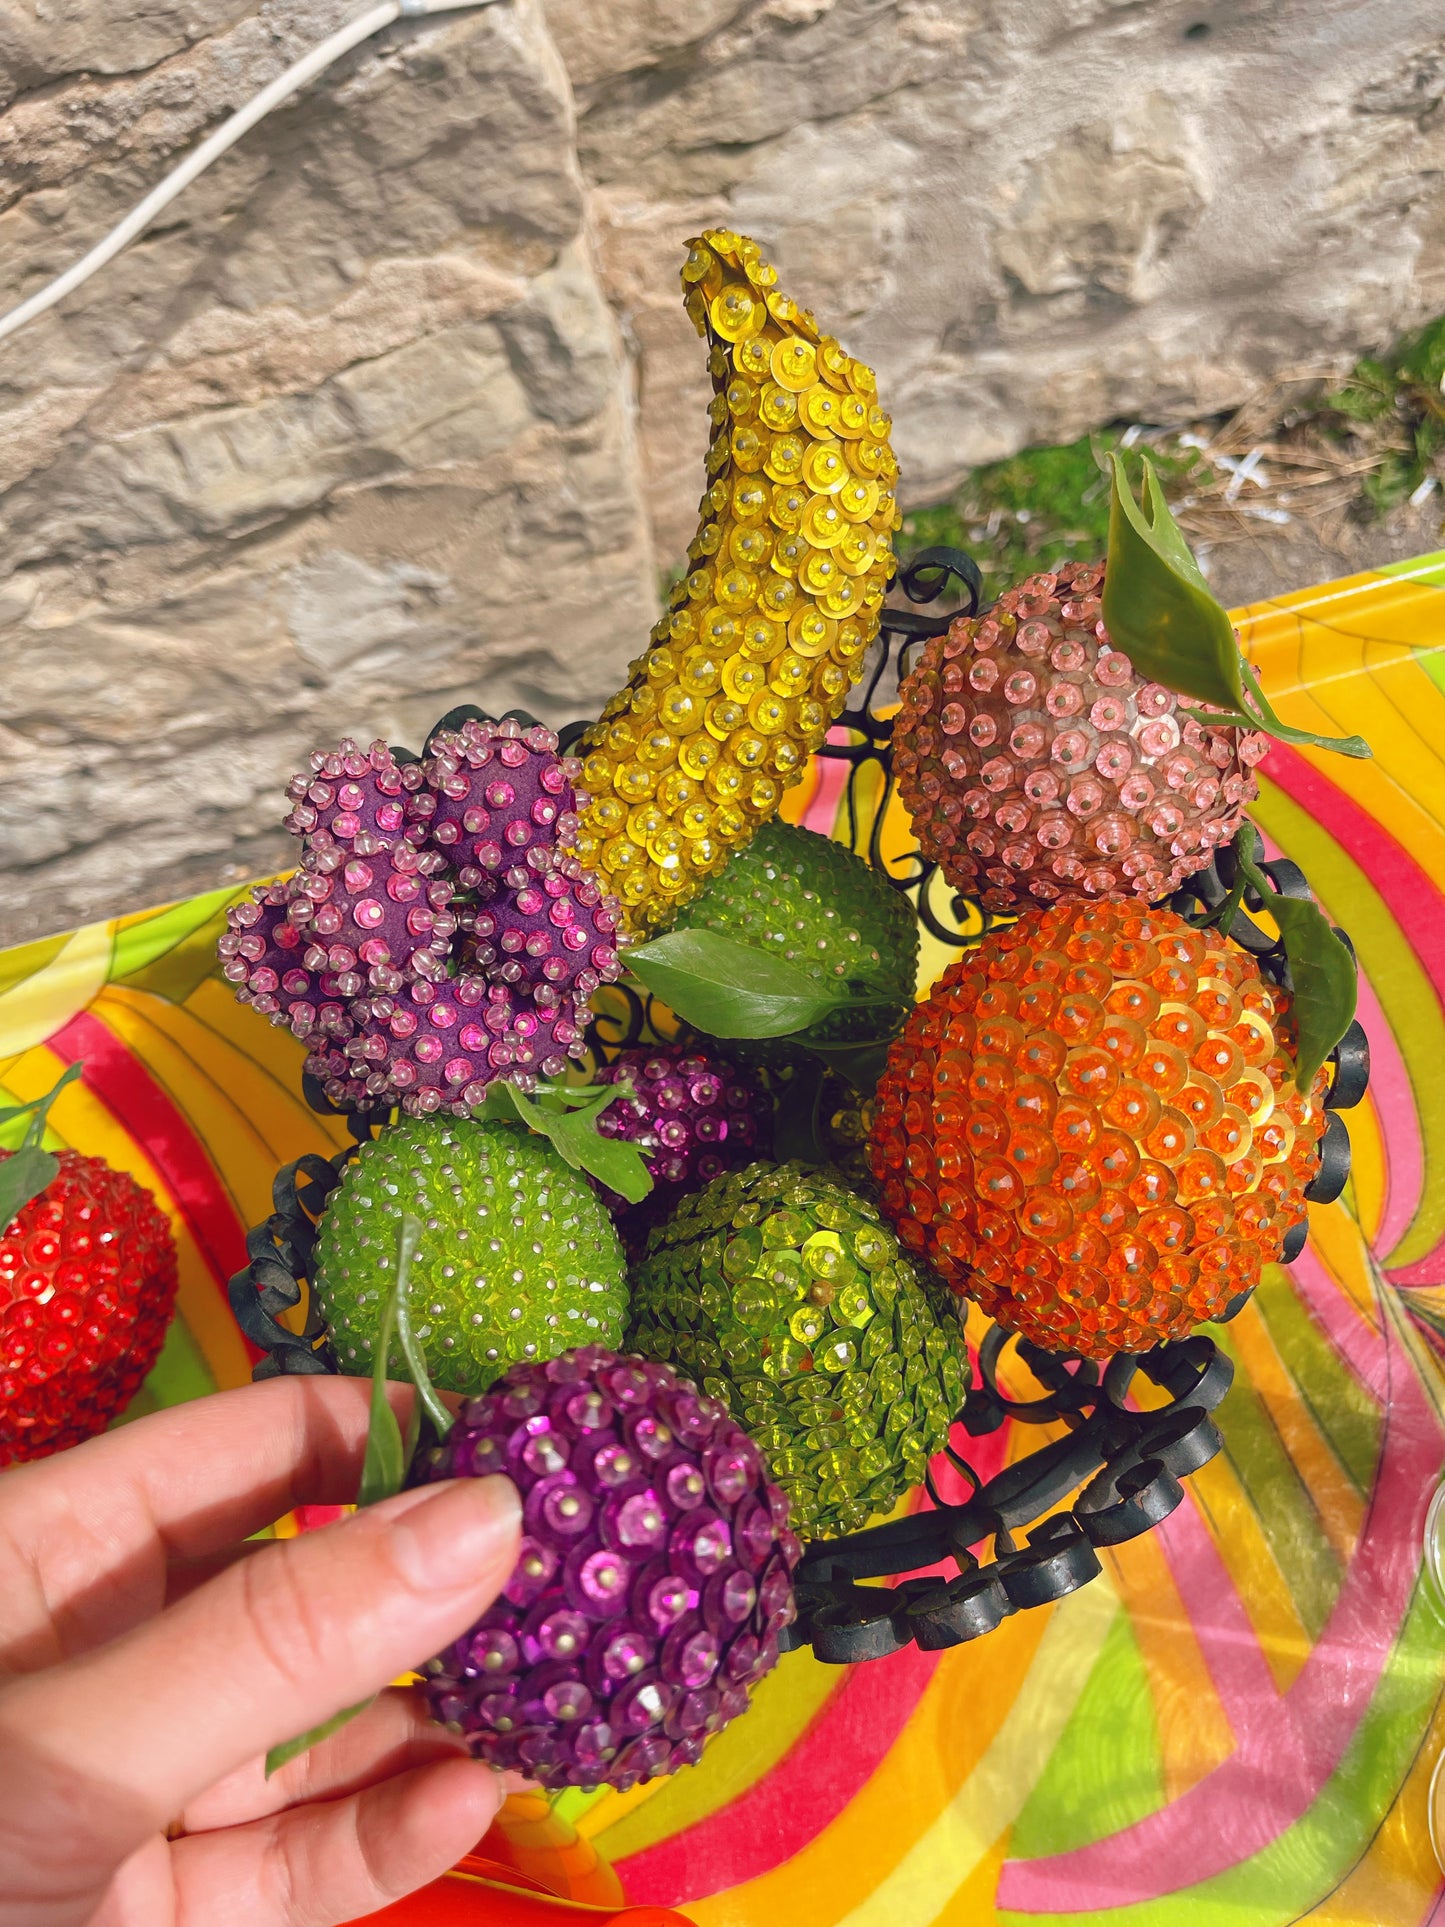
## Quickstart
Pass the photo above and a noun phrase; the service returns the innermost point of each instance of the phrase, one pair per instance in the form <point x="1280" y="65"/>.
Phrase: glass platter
<point x="1237" y="1724"/>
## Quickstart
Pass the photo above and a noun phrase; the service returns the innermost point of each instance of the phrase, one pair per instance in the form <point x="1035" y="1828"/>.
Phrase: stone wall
<point x="397" y="405"/>
<point x="345" y="440"/>
<point x="1033" y="216"/>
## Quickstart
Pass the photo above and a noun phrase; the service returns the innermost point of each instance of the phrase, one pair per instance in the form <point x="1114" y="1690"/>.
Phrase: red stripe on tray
<point x="123" y="1084"/>
<point x="793" y="1802"/>
<point x="1412" y="897"/>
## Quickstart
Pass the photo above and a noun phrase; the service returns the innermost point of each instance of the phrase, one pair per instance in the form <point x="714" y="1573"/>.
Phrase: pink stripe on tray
<point x="1226" y="1635"/>
<point x="1412" y="897"/>
<point x="1282" y="1763"/>
<point x="831" y="774"/>
<point x="792" y="1803"/>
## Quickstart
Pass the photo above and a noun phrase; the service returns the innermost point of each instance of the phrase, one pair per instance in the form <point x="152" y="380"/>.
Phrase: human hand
<point x="148" y="1660"/>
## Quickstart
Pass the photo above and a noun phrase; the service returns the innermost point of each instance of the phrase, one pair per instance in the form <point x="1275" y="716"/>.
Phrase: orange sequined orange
<point x="1091" y="1126"/>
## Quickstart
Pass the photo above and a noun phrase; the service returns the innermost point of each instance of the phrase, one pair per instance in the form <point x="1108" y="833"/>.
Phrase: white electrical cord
<point x="226" y="135"/>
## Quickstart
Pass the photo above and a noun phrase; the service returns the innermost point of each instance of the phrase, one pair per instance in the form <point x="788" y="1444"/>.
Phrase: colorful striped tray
<point x="1238" y="1722"/>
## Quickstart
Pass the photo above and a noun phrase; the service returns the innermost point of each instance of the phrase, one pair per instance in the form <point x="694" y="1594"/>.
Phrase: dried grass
<point x="1274" y="463"/>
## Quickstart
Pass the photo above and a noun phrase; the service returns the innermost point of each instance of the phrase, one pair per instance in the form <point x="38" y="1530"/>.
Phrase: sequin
<point x="1142" y="806"/>
<point x="498" y="1284"/>
<point x="592" y="1660"/>
<point x="794" y="549"/>
<point x="820" y="1299"/>
<point x="1168" y="1170"/>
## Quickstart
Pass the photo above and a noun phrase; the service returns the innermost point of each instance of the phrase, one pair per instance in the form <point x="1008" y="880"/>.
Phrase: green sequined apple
<point x="810" y="901"/>
<point x="518" y="1257"/>
<point x="782" y="1292"/>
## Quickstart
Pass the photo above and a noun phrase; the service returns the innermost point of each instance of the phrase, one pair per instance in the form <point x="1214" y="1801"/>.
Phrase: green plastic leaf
<point x="593" y="1097"/>
<point x="1260" y="715"/>
<point x="27" y="1171"/>
<point x="411" y="1349"/>
<point x="411" y="1438"/>
<point x="1157" y="606"/>
<point x="1158" y="609"/>
<point x="292" y="1749"/>
<point x="1323" y="980"/>
<point x="24" y="1176"/>
<point x="567" y="1116"/>
<point x="384" y="1468"/>
<point x="497" y="1107"/>
<point x="1222" y="918"/>
<point x="612" y="1161"/>
<point x="731" y="989"/>
<point x="388" y="1454"/>
<point x="38" y="1108"/>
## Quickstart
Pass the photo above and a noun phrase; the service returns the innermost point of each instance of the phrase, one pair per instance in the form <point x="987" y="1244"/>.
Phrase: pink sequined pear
<point x="1038" y="767"/>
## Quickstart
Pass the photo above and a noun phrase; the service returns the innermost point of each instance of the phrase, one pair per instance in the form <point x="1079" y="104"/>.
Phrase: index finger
<point x="90" y="1531"/>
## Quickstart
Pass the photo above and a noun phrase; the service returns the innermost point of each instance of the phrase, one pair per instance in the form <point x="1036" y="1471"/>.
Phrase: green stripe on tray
<point x="1427" y="569"/>
<point x="1287" y="1514"/>
<point x="1432" y="661"/>
<point x="1338" y="1403"/>
<point x="170" y="951"/>
<point x="1107" y="1770"/>
<point x="27" y="958"/>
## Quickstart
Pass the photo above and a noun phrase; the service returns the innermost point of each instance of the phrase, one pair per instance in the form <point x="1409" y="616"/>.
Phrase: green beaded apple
<point x="519" y="1262"/>
<point x="782" y="1291"/>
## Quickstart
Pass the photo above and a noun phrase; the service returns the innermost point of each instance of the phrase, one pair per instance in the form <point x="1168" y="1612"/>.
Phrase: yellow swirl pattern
<point x="763" y="637"/>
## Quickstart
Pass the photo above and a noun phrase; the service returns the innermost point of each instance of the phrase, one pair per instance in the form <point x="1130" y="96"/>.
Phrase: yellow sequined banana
<point x="763" y="637"/>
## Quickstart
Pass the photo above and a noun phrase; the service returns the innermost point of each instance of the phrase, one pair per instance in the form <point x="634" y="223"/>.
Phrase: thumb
<point x="269" y="1649"/>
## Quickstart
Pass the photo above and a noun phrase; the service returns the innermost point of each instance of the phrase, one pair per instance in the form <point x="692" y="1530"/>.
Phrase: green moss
<point x="1042" y="506"/>
<point x="1049" y="505"/>
<point x="1396" y="395"/>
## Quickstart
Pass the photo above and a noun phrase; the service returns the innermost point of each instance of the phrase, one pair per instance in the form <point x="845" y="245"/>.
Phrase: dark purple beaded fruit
<point x="654" y="1577"/>
<point x="692" y="1115"/>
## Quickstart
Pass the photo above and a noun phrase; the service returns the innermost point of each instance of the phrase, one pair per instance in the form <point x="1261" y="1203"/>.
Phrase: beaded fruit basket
<point x="1269" y="1631"/>
<point x="1117" y="1471"/>
<point x="1097" y="1125"/>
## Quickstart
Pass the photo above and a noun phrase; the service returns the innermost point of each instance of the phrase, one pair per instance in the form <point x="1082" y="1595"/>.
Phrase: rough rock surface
<point x="349" y="436"/>
<point x="344" y="440"/>
<point x="1031" y="218"/>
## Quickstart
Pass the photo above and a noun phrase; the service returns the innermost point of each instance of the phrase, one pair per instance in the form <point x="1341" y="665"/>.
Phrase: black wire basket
<point x="1116" y="1470"/>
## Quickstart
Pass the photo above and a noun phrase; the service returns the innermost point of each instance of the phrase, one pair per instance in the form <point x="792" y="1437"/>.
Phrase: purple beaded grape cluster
<point x="654" y="1577"/>
<point x="436" y="935"/>
<point x="692" y="1116"/>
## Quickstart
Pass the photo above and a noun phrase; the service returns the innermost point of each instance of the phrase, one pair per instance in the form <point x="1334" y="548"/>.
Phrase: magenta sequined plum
<point x="1037" y="766"/>
<point x="691" y="1115"/>
<point x="654" y="1577"/>
<point x="435" y="935"/>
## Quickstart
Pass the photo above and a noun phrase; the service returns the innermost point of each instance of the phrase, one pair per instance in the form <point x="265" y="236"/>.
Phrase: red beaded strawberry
<point x="87" y="1288"/>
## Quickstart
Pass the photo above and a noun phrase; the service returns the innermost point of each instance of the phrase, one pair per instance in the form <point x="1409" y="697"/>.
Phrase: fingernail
<point x="458" y="1536"/>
